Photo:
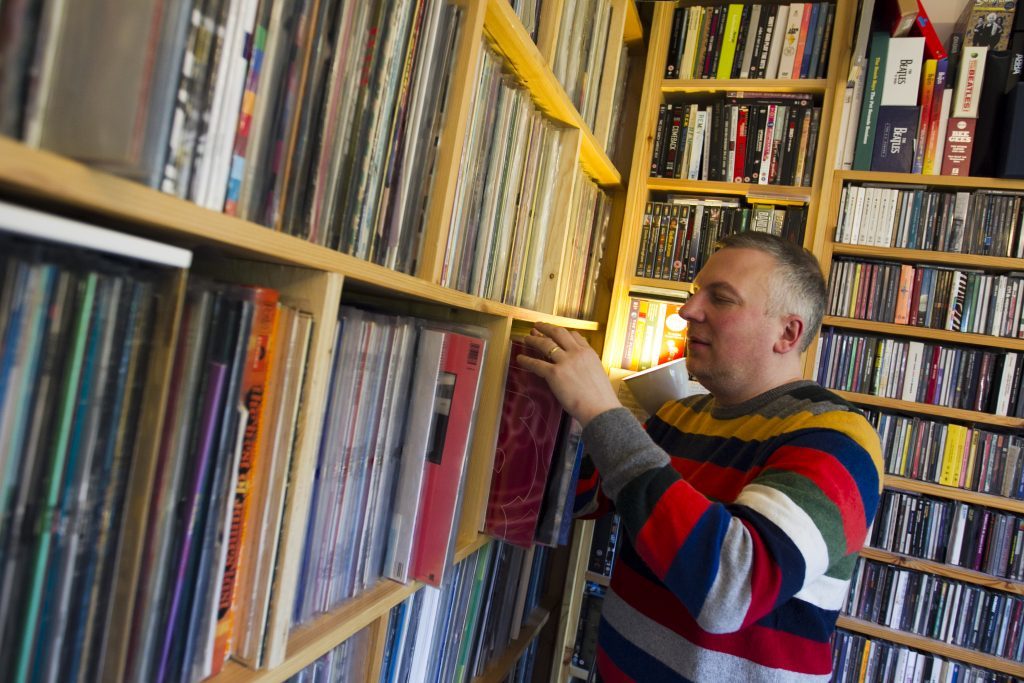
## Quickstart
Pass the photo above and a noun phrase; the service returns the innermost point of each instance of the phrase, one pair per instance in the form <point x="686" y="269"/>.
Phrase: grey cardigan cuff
<point x="621" y="449"/>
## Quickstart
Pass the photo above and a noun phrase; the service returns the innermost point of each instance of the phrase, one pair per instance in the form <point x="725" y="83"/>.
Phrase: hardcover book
<point x="458" y="386"/>
<point x="896" y="139"/>
<point x="956" y="159"/>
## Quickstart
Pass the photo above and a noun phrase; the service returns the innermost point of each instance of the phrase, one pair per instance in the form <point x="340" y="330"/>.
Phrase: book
<point x="956" y="159"/>
<point x="923" y="27"/>
<point x="458" y="386"/>
<point x="875" y="74"/>
<point x="901" y="15"/>
<point x="253" y="392"/>
<point x="990" y="114"/>
<point x="124" y="126"/>
<point x="903" y="64"/>
<point x="967" y="91"/>
<point x="1009" y="164"/>
<point x="895" y="139"/>
<point x="530" y="421"/>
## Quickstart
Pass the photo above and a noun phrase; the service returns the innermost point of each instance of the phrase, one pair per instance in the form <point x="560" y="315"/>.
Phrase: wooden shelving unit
<point x="226" y="245"/>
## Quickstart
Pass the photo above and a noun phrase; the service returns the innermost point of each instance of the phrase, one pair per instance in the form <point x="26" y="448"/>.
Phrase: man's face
<point x="730" y="334"/>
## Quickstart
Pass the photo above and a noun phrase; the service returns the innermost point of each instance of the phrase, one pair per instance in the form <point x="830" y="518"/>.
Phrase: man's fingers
<point x="534" y="365"/>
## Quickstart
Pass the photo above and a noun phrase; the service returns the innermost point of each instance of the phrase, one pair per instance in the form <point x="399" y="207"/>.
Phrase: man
<point x="743" y="509"/>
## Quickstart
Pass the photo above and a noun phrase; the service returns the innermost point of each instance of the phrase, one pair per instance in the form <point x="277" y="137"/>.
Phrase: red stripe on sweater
<point x="716" y="482"/>
<point x="835" y="481"/>
<point x="765" y="646"/>
<point x="765" y="580"/>
<point x="669" y="524"/>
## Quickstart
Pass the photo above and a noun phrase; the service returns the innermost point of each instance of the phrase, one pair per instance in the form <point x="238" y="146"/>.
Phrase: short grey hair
<point x="797" y="286"/>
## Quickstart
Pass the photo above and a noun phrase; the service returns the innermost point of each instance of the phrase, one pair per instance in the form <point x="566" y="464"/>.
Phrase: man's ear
<point x="792" y="333"/>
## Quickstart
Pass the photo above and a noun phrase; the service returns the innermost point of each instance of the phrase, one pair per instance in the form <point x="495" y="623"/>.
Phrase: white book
<point x="695" y="16"/>
<point x="766" y="147"/>
<point x="897" y="599"/>
<point x="865" y="225"/>
<point x="730" y="123"/>
<point x="775" y="49"/>
<point x="853" y="232"/>
<point x="211" y="184"/>
<point x="995" y="320"/>
<point x="705" y="157"/>
<point x="892" y="218"/>
<point x="881" y="214"/>
<point x="902" y="79"/>
<point x="940" y="138"/>
<point x="791" y="38"/>
<point x="845" y="124"/>
<point x="51" y="228"/>
<point x="423" y="637"/>
<point x="969" y="77"/>
<point x="980" y="322"/>
<point x="957" y="537"/>
<point x="912" y="377"/>
<point x="748" y="46"/>
<point x="686" y="152"/>
<point x="1005" y="384"/>
<point x="1017" y="319"/>
<point x="844" y="209"/>
<point x="698" y="159"/>
<point x="419" y="432"/>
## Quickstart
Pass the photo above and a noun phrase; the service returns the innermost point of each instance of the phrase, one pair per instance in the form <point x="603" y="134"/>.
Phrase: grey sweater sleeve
<point x="621" y="449"/>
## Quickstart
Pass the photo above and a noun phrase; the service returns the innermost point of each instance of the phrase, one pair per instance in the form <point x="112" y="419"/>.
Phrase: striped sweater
<point x="742" y="527"/>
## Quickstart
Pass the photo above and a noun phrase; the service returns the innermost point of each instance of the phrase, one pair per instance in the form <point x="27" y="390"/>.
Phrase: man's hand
<point x="571" y="369"/>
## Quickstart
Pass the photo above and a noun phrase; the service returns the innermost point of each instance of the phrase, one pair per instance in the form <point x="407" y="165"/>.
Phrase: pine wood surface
<point x="525" y="58"/>
<point x="813" y="86"/>
<point x="937" y="411"/>
<point x="941" y="569"/>
<point x="894" y="330"/>
<point x="500" y="667"/>
<point x="952" y="493"/>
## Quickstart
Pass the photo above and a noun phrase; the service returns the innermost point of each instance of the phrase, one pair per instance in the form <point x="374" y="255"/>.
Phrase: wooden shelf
<point x="500" y="667"/>
<point x="308" y="643"/>
<point x="785" y="193"/>
<point x="936" y="411"/>
<point x="633" y="32"/>
<point x="942" y="258"/>
<point x="965" y="182"/>
<point x="811" y="86"/>
<point x="516" y="45"/>
<point x="599" y="579"/>
<point x="934" y="646"/>
<point x="656" y="287"/>
<point x="63" y="183"/>
<point x="942" y="569"/>
<point x="947" y="570"/>
<point x="892" y="329"/>
<point x="952" y="493"/>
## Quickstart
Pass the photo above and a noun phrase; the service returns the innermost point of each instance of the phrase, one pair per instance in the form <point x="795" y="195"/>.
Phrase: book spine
<point x="254" y="385"/>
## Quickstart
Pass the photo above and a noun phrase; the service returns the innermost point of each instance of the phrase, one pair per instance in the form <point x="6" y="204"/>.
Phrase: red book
<point x="673" y="335"/>
<point x="739" y="165"/>
<point x="956" y="158"/>
<point x="458" y="388"/>
<point x="923" y="27"/>
<point x="530" y="416"/>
